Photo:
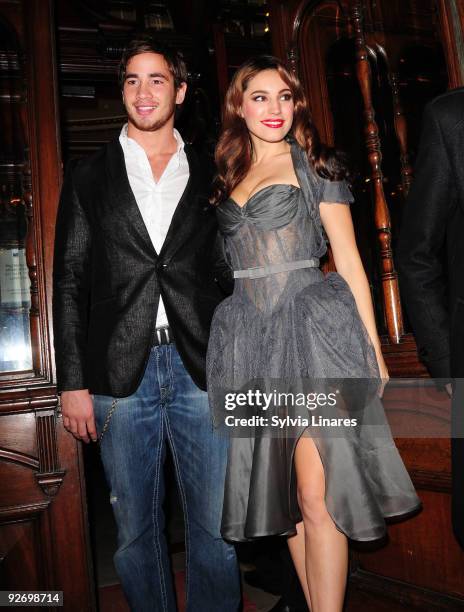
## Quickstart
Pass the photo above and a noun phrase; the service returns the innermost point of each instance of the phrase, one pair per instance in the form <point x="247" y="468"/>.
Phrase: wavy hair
<point x="234" y="149"/>
<point x="145" y="43"/>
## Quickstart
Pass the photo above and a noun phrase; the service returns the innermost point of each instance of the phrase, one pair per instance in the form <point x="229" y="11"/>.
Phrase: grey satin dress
<point x="290" y="325"/>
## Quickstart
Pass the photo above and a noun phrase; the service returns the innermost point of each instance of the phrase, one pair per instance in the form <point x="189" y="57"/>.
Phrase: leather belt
<point x="163" y="335"/>
<point x="286" y="266"/>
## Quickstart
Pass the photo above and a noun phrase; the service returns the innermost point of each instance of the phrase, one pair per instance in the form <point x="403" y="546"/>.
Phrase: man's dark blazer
<point x="431" y="245"/>
<point x="431" y="262"/>
<point x="108" y="277"/>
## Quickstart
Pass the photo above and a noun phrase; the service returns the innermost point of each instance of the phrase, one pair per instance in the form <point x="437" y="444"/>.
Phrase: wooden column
<point x="391" y="295"/>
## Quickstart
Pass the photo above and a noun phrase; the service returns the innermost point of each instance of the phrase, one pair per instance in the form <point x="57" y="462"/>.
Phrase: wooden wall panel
<point x="24" y="558"/>
<point x="43" y="516"/>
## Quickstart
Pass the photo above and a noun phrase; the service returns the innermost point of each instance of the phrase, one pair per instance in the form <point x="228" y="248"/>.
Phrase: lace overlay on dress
<point x="291" y="326"/>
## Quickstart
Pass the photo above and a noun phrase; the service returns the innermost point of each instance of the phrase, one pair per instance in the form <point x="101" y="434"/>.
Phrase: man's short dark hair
<point x="145" y="43"/>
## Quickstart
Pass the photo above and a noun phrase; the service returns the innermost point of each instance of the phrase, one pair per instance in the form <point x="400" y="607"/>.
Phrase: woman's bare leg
<point x="297" y="547"/>
<point x="325" y="547"/>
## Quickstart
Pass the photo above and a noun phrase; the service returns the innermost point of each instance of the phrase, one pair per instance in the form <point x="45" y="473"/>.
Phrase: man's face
<point x="149" y="94"/>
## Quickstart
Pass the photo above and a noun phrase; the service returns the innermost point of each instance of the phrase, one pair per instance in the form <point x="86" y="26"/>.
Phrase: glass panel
<point x="15" y="294"/>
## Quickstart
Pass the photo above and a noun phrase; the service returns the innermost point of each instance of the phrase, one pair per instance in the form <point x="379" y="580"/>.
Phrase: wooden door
<point x="43" y="528"/>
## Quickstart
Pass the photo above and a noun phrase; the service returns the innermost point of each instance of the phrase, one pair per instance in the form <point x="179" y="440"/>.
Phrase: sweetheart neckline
<point x="241" y="207"/>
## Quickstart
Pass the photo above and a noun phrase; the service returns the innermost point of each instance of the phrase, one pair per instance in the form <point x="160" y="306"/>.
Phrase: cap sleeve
<point x="336" y="192"/>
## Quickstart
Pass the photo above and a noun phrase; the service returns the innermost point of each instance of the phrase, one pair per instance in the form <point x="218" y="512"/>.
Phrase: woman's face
<point x="267" y="106"/>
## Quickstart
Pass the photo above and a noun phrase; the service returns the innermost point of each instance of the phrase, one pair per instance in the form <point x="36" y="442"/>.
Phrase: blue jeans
<point x="167" y="407"/>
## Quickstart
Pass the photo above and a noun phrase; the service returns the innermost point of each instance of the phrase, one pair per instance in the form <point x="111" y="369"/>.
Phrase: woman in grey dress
<point x="277" y="190"/>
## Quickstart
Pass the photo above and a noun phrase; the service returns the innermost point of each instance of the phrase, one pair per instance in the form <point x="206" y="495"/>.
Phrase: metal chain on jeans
<point x="108" y="418"/>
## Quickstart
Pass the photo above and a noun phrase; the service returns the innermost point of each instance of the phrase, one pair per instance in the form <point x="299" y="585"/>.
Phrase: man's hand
<point x="78" y="417"/>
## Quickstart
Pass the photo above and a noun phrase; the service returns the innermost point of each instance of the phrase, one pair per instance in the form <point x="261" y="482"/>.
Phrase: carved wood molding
<point x="409" y="595"/>
<point x="12" y="513"/>
<point x="50" y="475"/>
<point x="16" y="404"/>
<point x="303" y="9"/>
<point x="12" y="456"/>
<point x="50" y="483"/>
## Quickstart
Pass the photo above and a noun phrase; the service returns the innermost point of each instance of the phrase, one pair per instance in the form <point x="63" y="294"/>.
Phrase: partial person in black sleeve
<point x="431" y="264"/>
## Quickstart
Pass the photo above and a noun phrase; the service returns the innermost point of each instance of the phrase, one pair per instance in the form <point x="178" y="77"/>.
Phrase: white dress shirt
<point x="157" y="200"/>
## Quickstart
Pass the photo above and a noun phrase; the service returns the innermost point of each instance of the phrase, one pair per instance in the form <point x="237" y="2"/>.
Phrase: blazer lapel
<point x="122" y="197"/>
<point x="179" y="228"/>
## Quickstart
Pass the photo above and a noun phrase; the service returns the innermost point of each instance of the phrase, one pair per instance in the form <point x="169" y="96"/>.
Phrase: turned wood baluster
<point x="34" y="313"/>
<point x="389" y="276"/>
<point x="401" y="134"/>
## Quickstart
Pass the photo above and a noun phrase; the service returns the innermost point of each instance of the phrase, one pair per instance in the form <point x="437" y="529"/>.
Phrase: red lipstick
<point x="273" y="123"/>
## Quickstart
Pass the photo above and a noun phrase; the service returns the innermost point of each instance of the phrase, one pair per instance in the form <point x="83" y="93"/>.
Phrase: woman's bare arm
<point x="338" y="225"/>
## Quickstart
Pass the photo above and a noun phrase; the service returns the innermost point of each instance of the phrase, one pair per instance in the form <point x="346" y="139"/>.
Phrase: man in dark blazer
<point x="134" y="293"/>
<point x="431" y="264"/>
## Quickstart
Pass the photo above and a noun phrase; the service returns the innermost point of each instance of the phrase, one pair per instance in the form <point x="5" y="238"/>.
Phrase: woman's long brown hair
<point x="234" y="150"/>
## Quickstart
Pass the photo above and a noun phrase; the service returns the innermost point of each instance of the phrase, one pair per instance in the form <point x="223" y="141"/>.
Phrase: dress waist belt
<point x="286" y="266"/>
